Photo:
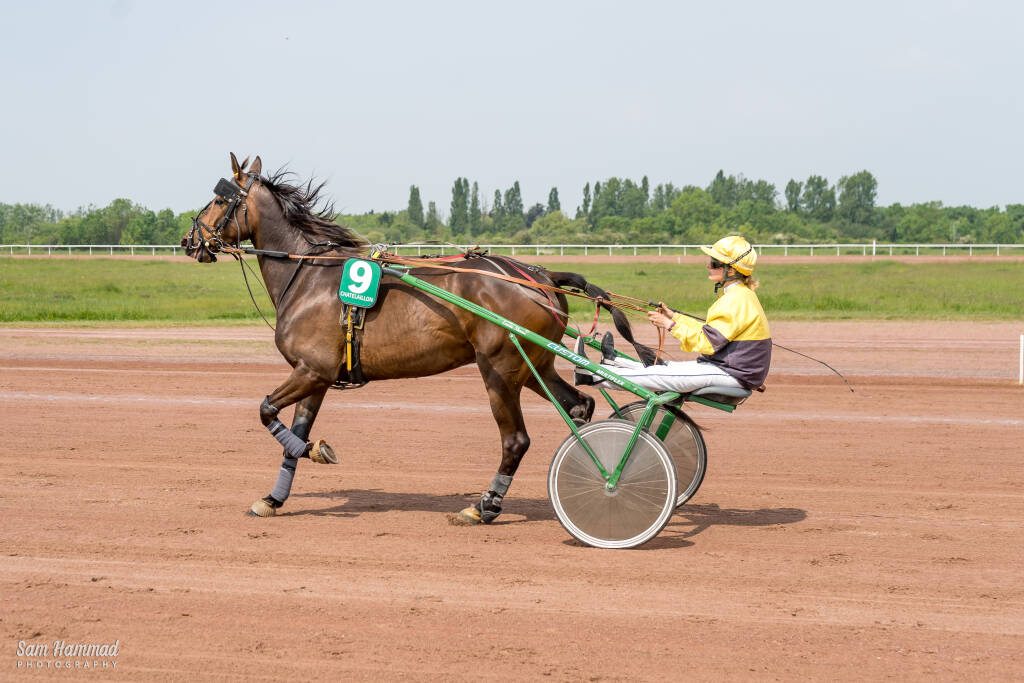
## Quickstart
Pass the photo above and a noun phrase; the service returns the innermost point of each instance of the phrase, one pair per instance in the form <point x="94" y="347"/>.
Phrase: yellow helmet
<point x="734" y="252"/>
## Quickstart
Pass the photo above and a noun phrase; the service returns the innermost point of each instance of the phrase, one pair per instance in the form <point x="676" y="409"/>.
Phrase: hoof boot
<point x="323" y="454"/>
<point x="262" y="508"/>
<point x="470" y="516"/>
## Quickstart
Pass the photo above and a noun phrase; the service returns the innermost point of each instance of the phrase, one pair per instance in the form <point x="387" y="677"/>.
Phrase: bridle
<point x="235" y="195"/>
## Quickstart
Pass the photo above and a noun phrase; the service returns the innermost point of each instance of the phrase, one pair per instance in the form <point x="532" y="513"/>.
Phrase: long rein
<point x="623" y="302"/>
<point x="620" y="301"/>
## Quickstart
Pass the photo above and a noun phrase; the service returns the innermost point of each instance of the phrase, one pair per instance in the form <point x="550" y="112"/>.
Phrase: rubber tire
<point x="685" y="444"/>
<point x="636" y="511"/>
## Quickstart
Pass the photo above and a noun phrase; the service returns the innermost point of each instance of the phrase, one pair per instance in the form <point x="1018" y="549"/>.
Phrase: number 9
<point x="362" y="276"/>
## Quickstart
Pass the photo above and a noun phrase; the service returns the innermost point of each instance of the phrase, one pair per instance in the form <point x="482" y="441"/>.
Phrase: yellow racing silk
<point x="735" y="337"/>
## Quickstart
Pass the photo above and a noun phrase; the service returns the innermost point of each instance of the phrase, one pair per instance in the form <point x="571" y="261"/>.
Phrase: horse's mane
<point x="305" y="210"/>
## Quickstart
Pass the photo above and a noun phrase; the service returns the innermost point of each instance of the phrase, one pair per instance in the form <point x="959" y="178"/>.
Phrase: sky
<point x="145" y="100"/>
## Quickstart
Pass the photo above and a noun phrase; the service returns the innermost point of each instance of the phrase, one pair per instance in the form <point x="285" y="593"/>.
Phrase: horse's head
<point x="219" y="224"/>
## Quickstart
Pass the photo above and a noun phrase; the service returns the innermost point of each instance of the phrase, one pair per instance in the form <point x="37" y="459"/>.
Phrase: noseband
<point x="235" y="195"/>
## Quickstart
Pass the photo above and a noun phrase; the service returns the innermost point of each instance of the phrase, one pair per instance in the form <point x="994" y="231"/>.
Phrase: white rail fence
<point x="874" y="249"/>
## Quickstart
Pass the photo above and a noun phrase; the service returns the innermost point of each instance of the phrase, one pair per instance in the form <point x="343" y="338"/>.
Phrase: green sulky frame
<point x="517" y="332"/>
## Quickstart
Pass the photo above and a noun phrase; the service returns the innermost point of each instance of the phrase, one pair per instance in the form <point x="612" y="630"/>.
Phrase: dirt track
<point x="837" y="535"/>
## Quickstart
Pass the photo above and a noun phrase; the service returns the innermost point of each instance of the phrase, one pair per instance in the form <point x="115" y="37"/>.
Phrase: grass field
<point x="165" y="291"/>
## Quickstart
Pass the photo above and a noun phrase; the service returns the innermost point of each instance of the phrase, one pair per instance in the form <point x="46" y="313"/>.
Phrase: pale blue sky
<point x="144" y="100"/>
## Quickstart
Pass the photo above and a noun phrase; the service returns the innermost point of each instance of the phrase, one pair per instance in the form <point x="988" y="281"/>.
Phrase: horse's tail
<point x="577" y="281"/>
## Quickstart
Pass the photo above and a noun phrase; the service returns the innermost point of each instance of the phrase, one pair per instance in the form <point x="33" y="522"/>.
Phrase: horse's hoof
<point x="469" y="517"/>
<point x="262" y="508"/>
<point x="323" y="454"/>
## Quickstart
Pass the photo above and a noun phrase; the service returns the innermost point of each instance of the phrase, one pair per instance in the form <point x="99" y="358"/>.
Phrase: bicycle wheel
<point x="626" y="516"/>
<point x="684" y="443"/>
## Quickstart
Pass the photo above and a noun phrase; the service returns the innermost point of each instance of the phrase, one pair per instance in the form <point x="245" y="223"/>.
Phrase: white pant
<point x="679" y="376"/>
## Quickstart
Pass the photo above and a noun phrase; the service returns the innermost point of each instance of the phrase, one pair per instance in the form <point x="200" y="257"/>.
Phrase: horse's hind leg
<point x="578" y="405"/>
<point x="503" y="391"/>
<point x="308" y="389"/>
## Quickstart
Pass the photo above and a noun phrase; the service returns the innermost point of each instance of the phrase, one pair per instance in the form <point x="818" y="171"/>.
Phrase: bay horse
<point x="408" y="333"/>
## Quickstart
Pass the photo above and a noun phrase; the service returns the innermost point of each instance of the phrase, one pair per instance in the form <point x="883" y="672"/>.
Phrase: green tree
<point x="498" y="210"/>
<point x="533" y="213"/>
<point x="1015" y="212"/>
<point x="458" y="221"/>
<point x="697" y="214"/>
<point x="166" y="229"/>
<point x="818" y="199"/>
<point x="556" y="227"/>
<point x="25" y="223"/>
<point x="857" y="198"/>
<point x="513" y="220"/>
<point x="793" y="189"/>
<point x="553" y="203"/>
<point x="724" y="190"/>
<point x="592" y="215"/>
<point x="586" y="200"/>
<point x="475" y="215"/>
<point x="141" y="229"/>
<point x="433" y="221"/>
<point x="619" y="197"/>
<point x="663" y="197"/>
<point x="415" y="207"/>
<point x="760" y="191"/>
<point x="999" y="229"/>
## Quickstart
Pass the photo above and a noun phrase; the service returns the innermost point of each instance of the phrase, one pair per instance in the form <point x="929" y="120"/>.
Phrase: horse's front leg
<point x="307" y="388"/>
<point x="503" y="391"/>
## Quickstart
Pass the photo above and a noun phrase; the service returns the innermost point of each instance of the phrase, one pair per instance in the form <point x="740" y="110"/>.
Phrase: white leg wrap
<point x="293" y="445"/>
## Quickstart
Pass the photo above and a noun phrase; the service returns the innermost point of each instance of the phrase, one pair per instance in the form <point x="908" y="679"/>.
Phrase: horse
<point x="283" y="221"/>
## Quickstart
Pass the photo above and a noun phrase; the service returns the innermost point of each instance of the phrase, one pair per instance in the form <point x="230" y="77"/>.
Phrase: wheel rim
<point x="631" y="514"/>
<point x="684" y="443"/>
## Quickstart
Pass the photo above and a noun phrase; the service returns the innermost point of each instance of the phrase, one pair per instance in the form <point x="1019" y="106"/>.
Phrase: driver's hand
<point x="658" y="320"/>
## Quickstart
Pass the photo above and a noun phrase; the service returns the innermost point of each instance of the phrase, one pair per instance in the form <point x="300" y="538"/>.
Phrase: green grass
<point x="100" y="289"/>
<point x="856" y="291"/>
<point x="167" y="292"/>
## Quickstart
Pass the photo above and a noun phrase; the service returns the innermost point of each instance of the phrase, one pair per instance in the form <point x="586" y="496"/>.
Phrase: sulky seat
<point x="732" y="396"/>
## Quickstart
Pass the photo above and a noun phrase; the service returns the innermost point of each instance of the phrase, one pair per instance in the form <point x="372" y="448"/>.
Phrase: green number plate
<point x="359" y="283"/>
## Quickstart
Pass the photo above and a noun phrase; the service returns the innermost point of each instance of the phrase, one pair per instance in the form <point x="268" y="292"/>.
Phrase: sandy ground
<point x="837" y="535"/>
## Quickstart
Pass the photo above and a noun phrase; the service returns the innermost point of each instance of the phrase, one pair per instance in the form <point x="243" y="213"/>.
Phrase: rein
<point x="419" y="263"/>
<point x="704" y="320"/>
<point x="235" y="195"/>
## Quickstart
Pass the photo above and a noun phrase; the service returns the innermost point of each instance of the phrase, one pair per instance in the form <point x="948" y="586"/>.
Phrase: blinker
<point x="228" y="190"/>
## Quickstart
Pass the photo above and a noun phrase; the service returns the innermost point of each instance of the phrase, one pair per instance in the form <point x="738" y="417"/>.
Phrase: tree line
<point x="120" y="222"/>
<point x="613" y="211"/>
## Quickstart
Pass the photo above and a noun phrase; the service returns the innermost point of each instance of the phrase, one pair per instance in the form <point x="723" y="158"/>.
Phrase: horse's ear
<point x="235" y="168"/>
<point x="241" y="170"/>
<point x="257" y="166"/>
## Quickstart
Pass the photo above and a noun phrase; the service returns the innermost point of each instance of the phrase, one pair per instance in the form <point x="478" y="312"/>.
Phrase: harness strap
<point x="508" y="278"/>
<point x="547" y="295"/>
<point x="348" y="341"/>
<point x="418" y="263"/>
<point x="289" y="283"/>
<point x="593" y="325"/>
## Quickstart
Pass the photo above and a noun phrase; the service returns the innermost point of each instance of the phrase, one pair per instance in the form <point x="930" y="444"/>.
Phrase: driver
<point x="734" y="343"/>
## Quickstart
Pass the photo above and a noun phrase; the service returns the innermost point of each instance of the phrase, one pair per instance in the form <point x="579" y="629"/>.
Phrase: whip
<point x="784" y="348"/>
<point x="653" y="304"/>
